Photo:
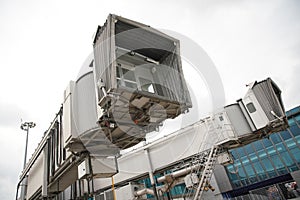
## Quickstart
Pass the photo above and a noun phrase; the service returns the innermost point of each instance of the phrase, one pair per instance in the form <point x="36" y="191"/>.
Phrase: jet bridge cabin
<point x="139" y="79"/>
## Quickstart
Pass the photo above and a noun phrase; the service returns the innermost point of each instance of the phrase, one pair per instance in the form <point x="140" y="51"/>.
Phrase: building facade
<point x="265" y="169"/>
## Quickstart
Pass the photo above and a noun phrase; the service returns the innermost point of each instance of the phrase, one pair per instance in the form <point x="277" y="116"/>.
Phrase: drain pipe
<point x="151" y="176"/>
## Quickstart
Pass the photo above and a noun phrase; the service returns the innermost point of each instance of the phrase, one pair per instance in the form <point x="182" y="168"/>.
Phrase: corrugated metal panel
<point x="269" y="96"/>
<point x="145" y="41"/>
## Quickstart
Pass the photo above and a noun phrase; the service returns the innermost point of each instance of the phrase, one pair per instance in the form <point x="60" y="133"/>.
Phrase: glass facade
<point x="268" y="158"/>
<point x="261" y="168"/>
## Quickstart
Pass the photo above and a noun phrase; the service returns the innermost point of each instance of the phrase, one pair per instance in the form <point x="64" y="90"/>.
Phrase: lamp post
<point x="25" y="127"/>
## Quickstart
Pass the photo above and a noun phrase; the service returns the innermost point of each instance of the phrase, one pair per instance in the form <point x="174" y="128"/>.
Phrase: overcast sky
<point x="44" y="43"/>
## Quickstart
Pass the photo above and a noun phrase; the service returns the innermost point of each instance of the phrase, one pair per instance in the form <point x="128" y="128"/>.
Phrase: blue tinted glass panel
<point x="236" y="183"/>
<point x="291" y="121"/>
<point x="278" y="165"/>
<point x="268" y="166"/>
<point x="234" y="154"/>
<point x="290" y="143"/>
<point x="241" y="172"/>
<point x="275" y="138"/>
<point x="241" y="152"/>
<point x="298" y="139"/>
<point x="260" y="171"/>
<point x="294" y="130"/>
<point x="249" y="170"/>
<point x="287" y="159"/>
<point x="248" y="148"/>
<point x="296" y="153"/>
<point x="258" y="146"/>
<point x="297" y="118"/>
<point x="262" y="154"/>
<point x="280" y="147"/>
<point x="244" y="160"/>
<point x="253" y="157"/>
<point x="285" y="135"/>
<point x="267" y="143"/>
<point x="271" y="150"/>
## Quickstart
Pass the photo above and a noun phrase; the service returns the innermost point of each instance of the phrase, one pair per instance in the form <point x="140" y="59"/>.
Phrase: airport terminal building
<point x="265" y="169"/>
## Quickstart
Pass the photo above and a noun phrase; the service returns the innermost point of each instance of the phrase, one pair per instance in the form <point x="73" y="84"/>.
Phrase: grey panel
<point x="269" y="96"/>
<point x="222" y="179"/>
<point x="237" y="119"/>
<point x="296" y="176"/>
<point x="119" y="32"/>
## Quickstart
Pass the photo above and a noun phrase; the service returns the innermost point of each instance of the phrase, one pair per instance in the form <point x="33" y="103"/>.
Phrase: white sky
<point x="43" y="44"/>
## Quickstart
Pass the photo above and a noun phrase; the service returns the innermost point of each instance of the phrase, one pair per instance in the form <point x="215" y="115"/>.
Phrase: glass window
<point x="232" y="172"/>
<point x="241" y="152"/>
<point x="248" y="148"/>
<point x="267" y="143"/>
<point x="146" y="85"/>
<point x="249" y="170"/>
<point x="234" y="154"/>
<point x="258" y="145"/>
<point x="297" y="118"/>
<point x="253" y="157"/>
<point x="126" y="77"/>
<point x="258" y="168"/>
<point x="236" y="183"/>
<point x="285" y="135"/>
<point x="296" y="153"/>
<point x="269" y="167"/>
<point x="294" y="130"/>
<point x="275" y="138"/>
<point x="278" y="165"/>
<point x="128" y="74"/>
<point x="262" y="153"/>
<point x="244" y="160"/>
<point x="260" y="171"/>
<point x="280" y="147"/>
<point x="298" y="139"/>
<point x="241" y="172"/>
<point x="290" y="143"/>
<point x="271" y="150"/>
<point x="251" y="108"/>
<point x="291" y="121"/>
<point x="286" y="157"/>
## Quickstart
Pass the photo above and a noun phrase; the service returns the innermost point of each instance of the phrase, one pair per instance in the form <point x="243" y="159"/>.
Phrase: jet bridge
<point x="131" y="84"/>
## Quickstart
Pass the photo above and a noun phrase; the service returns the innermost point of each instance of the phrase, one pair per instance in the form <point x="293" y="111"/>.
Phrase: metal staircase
<point x="204" y="183"/>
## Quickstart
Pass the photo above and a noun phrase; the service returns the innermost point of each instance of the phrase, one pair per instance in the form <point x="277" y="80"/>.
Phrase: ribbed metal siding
<point x="103" y="55"/>
<point x="120" y="32"/>
<point x="268" y="95"/>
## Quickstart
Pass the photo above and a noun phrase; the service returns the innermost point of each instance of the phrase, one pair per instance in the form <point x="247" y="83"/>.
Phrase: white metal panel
<point x="238" y="120"/>
<point x="67" y="113"/>
<point x="126" y="192"/>
<point x="258" y="116"/>
<point x="103" y="167"/>
<point x="163" y="152"/>
<point x="83" y="169"/>
<point x="35" y="177"/>
<point x="84" y="104"/>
